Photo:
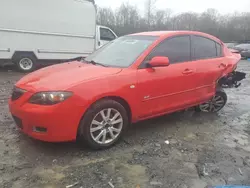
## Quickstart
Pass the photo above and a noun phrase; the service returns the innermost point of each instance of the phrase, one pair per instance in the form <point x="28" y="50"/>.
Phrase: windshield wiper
<point x="95" y="63"/>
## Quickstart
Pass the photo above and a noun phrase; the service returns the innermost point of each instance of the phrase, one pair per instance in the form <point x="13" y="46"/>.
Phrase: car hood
<point x="63" y="76"/>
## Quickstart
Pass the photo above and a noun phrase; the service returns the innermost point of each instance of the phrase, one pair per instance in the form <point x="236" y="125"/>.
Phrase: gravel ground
<point x="203" y="150"/>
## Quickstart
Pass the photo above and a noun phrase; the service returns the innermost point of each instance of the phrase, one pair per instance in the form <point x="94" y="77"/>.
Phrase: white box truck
<point x="36" y="32"/>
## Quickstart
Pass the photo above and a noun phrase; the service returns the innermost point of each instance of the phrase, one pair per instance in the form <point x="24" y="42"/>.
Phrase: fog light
<point x="40" y="129"/>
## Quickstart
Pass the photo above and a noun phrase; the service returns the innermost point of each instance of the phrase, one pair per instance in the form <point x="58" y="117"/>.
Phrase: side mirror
<point x="159" y="61"/>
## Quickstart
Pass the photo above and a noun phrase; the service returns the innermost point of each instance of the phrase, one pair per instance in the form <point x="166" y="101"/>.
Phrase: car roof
<point x="173" y="33"/>
<point x="155" y="33"/>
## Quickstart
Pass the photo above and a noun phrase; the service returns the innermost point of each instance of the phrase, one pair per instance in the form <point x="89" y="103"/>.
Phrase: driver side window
<point x="106" y="34"/>
<point x="177" y="49"/>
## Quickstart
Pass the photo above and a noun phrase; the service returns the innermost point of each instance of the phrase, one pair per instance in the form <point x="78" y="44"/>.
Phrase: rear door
<point x="210" y="63"/>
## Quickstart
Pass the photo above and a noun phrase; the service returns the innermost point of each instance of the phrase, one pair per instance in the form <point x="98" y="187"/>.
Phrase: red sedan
<point x="133" y="78"/>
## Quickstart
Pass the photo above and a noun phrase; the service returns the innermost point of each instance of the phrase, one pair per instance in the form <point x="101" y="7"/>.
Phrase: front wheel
<point x="215" y="104"/>
<point x="103" y="124"/>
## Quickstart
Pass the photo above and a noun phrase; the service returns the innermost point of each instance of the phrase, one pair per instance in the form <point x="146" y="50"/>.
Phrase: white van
<point x="40" y="31"/>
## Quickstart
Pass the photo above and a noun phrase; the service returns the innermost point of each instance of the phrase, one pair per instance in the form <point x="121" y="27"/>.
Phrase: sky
<point x="178" y="6"/>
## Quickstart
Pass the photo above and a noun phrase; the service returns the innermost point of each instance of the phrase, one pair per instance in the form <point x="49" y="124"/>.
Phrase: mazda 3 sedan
<point x="132" y="78"/>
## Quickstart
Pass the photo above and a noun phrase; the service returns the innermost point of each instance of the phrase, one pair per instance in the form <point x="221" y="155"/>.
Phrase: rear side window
<point x="219" y="50"/>
<point x="177" y="49"/>
<point x="203" y="48"/>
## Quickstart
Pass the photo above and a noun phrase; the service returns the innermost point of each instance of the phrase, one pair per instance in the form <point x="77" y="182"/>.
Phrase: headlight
<point x="49" y="98"/>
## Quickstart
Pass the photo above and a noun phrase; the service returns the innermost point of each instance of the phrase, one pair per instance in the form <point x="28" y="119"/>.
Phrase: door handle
<point x="187" y="71"/>
<point x="223" y="65"/>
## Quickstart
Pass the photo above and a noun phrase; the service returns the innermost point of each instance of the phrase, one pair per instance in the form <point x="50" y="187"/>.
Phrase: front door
<point x="163" y="89"/>
<point x="106" y="35"/>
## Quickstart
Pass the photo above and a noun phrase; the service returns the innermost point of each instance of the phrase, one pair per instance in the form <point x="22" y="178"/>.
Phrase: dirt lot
<point x="204" y="149"/>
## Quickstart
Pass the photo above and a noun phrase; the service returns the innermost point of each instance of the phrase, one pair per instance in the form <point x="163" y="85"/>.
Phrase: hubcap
<point x="214" y="105"/>
<point x="106" y="126"/>
<point x="26" y="63"/>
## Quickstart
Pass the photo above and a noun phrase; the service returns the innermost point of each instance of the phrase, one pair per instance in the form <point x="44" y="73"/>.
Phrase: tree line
<point x="127" y="19"/>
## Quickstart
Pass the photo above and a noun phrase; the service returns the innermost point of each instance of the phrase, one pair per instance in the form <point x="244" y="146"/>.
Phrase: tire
<point x="94" y="113"/>
<point x="25" y="62"/>
<point x="215" y="104"/>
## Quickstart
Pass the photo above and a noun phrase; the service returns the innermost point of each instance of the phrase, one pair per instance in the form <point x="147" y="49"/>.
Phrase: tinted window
<point x="177" y="49"/>
<point x="203" y="48"/>
<point x="219" y="50"/>
<point x="106" y="34"/>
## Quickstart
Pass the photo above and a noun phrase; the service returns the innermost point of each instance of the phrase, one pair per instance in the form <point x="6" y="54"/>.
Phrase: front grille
<point x="18" y="122"/>
<point x="17" y="93"/>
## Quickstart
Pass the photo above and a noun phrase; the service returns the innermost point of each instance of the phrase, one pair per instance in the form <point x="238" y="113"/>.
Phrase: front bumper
<point x="58" y="122"/>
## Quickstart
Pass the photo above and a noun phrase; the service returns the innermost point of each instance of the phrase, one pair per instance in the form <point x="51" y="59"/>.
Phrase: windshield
<point x="121" y="52"/>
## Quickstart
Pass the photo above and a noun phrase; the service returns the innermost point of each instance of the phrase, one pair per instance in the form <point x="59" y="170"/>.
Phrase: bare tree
<point x="186" y="21"/>
<point x="149" y="8"/>
<point x="127" y="19"/>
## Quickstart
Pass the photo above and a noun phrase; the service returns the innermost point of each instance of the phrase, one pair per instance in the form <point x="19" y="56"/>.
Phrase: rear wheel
<point x="103" y="124"/>
<point x="215" y="104"/>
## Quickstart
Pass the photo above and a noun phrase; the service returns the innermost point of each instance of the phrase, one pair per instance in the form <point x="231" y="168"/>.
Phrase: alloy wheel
<point x="106" y="126"/>
<point x="213" y="105"/>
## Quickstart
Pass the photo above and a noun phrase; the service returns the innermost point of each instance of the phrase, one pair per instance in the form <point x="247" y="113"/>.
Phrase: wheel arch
<point x="118" y="99"/>
<point x="22" y="53"/>
<point x="124" y="103"/>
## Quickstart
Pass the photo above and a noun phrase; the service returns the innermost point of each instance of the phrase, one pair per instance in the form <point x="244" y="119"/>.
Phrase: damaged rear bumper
<point x="232" y="79"/>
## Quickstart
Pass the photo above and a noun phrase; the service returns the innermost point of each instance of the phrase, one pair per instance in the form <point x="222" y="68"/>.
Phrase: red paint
<point x="159" y="62"/>
<point x="157" y="91"/>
